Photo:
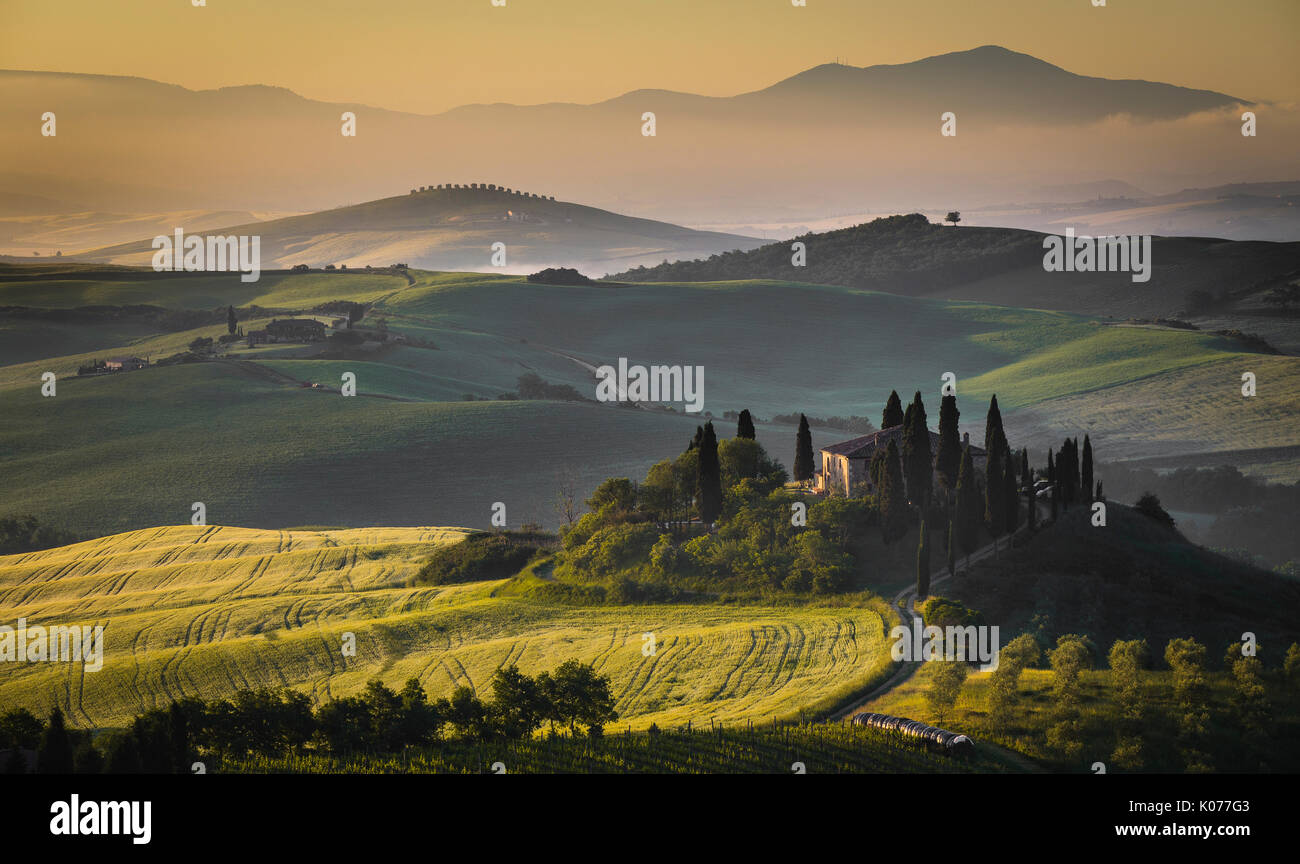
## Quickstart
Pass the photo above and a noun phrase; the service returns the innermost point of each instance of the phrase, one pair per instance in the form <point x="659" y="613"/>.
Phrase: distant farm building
<point x="295" y="330"/>
<point x="124" y="364"/>
<point x="846" y="465"/>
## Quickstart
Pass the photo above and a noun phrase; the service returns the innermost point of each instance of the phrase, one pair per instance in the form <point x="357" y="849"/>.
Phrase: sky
<point x="427" y="56"/>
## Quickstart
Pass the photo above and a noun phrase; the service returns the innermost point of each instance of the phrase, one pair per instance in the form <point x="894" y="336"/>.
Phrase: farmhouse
<point x="845" y="466"/>
<point x="124" y="364"/>
<point x="295" y="330"/>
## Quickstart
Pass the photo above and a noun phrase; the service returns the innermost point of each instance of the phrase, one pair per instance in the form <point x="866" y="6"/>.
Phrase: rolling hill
<point x="209" y="610"/>
<point x="910" y="255"/>
<point x="246" y="437"/>
<point x="455" y="229"/>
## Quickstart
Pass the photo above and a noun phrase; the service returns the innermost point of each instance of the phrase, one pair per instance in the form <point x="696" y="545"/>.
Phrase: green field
<point x="208" y="610"/>
<point x="246" y="439"/>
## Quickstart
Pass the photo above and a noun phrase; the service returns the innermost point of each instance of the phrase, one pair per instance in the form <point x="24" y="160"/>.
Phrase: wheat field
<point x="204" y="611"/>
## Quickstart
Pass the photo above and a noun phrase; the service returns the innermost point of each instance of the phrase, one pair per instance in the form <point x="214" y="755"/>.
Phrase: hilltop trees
<point x="954" y="217"/>
<point x="917" y="460"/>
<point x="803" y="452"/>
<point x="745" y="425"/>
<point x="710" y="476"/>
<point x="948" y="460"/>
<point x="230" y="320"/>
<point x="893" y="415"/>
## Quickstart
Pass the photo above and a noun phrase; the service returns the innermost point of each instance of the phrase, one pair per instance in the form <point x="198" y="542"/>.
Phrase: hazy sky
<point x="430" y="55"/>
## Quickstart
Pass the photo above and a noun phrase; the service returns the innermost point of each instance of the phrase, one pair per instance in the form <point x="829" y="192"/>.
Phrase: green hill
<point x="209" y="610"/>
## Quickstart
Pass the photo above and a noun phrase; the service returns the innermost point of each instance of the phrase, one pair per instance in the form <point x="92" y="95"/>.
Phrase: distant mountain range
<point x="831" y="139"/>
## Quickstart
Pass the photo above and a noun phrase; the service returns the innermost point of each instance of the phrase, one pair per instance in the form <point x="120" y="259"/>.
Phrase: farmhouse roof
<point x="864" y="446"/>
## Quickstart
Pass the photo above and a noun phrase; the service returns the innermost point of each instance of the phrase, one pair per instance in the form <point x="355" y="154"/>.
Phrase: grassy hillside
<point x="455" y="229"/>
<point x="245" y="438"/>
<point x="208" y="610"/>
<point x="908" y="255"/>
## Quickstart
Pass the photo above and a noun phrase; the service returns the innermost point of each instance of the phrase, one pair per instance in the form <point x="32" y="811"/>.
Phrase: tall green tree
<point x="995" y="508"/>
<point x="947" y="461"/>
<point x="745" y="426"/>
<point x="893" y="499"/>
<point x="1026" y="476"/>
<point x="1085" y="473"/>
<point x="993" y="427"/>
<point x="969" y="505"/>
<point x="803" y="452"/>
<point x="54" y="755"/>
<point x="917" y="461"/>
<point x="922" y="564"/>
<point x="710" y="477"/>
<point x="893" y="415"/>
<point x="230" y="320"/>
<point x="1011" y="496"/>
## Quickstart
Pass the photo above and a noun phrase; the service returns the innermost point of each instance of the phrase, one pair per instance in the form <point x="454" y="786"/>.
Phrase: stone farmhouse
<point x="845" y="466"/>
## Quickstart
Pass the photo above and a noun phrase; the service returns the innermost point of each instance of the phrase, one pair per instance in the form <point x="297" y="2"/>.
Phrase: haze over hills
<point x="830" y="138"/>
<point x="454" y="229"/>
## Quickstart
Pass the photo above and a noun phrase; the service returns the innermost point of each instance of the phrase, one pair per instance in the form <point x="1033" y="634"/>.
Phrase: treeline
<point x="1191" y="732"/>
<point x="276" y="723"/>
<point x="26" y="534"/>
<point x="1251" y="514"/>
<point x="904" y="254"/>
<point x="482" y="556"/>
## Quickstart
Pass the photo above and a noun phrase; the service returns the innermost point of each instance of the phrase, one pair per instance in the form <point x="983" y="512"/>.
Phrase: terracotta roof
<point x="864" y="446"/>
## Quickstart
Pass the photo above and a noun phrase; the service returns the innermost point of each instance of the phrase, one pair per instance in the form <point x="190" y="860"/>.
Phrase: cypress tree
<point x="948" y="460"/>
<point x="952" y="550"/>
<point x="922" y="565"/>
<point x="993" y="426"/>
<point x="1011" y="496"/>
<point x="1026" y="476"/>
<point x="1051" y="468"/>
<point x="230" y="320"/>
<point x="710" y="476"/>
<point x="995" y="509"/>
<point x="1085" y="476"/>
<point x="893" y="506"/>
<point x="893" y="415"/>
<point x="54" y="756"/>
<point x="917" y="460"/>
<point x="1031" y="515"/>
<point x="803" y="452"/>
<point x="968" y="505"/>
<point x="745" y="425"/>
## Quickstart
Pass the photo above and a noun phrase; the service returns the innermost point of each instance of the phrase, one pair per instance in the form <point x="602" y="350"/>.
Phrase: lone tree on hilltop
<point x="803" y="452"/>
<point x="954" y="217"/>
<point x="230" y="320"/>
